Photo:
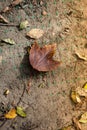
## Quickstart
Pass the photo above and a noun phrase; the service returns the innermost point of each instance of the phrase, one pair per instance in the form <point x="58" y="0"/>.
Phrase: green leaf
<point x="9" y="41"/>
<point x="23" y="25"/>
<point x="20" y="112"/>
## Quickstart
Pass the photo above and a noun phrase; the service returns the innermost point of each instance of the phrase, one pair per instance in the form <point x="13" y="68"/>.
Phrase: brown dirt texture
<point x="45" y="96"/>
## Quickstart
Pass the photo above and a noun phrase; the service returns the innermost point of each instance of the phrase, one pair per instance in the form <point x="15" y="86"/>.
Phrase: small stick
<point x="14" y="25"/>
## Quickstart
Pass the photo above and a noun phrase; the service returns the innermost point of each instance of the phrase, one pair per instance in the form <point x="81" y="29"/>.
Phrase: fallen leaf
<point x="13" y="4"/>
<point x="75" y="97"/>
<point x="41" y="2"/>
<point x="6" y="92"/>
<point x="2" y="19"/>
<point x="81" y="91"/>
<point x="16" y="2"/>
<point x="41" y="85"/>
<point x="6" y="9"/>
<point x="77" y="124"/>
<point x="83" y="118"/>
<point x="35" y="33"/>
<point x="20" y="112"/>
<point x="85" y="86"/>
<point x="82" y="55"/>
<point x="23" y="24"/>
<point x="41" y="59"/>
<point x="11" y="114"/>
<point x="9" y="41"/>
<point x="66" y="128"/>
<point x="44" y="13"/>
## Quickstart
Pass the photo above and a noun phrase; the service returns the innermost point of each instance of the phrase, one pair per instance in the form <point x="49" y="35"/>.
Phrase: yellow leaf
<point x="9" y="41"/>
<point x="11" y="114"/>
<point x="6" y="92"/>
<point x="23" y="24"/>
<point x="75" y="97"/>
<point x="83" y="118"/>
<point x="85" y="86"/>
<point x="20" y="112"/>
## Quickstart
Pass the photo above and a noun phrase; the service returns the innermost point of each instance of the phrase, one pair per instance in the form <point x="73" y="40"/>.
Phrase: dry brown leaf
<point x="44" y="13"/>
<point x="41" y="59"/>
<point x="16" y="2"/>
<point x="2" y="19"/>
<point x="6" y="9"/>
<point x="82" y="54"/>
<point x="77" y="124"/>
<point x="35" y="33"/>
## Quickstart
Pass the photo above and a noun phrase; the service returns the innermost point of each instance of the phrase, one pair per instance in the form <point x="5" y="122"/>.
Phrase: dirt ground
<point x="47" y="100"/>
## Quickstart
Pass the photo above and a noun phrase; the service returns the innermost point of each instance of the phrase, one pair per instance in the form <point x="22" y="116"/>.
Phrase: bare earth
<point x="44" y="96"/>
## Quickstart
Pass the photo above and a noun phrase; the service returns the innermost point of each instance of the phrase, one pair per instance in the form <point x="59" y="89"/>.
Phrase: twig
<point x="22" y="94"/>
<point x="4" y="121"/>
<point x="33" y="127"/>
<point x="14" y="25"/>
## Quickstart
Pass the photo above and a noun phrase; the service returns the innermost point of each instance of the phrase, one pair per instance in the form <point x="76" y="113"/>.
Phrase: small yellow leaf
<point x="23" y="24"/>
<point x="85" y="86"/>
<point x="75" y="97"/>
<point x="11" y="114"/>
<point x="9" y="41"/>
<point x="21" y="112"/>
<point x="83" y="118"/>
<point x="6" y="92"/>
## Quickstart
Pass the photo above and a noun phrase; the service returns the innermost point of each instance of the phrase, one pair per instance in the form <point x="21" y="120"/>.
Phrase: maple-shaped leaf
<point x="41" y="59"/>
